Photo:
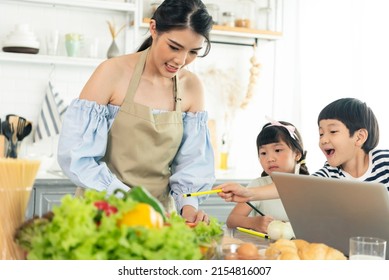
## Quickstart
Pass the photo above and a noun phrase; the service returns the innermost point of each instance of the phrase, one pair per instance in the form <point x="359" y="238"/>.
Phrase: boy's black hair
<point x="355" y="115"/>
<point x="275" y="133"/>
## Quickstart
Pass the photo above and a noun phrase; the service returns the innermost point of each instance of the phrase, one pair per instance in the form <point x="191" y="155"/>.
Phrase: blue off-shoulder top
<point x="83" y="140"/>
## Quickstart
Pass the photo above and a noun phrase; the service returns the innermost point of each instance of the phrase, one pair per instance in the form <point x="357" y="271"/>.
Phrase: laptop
<point x="330" y="211"/>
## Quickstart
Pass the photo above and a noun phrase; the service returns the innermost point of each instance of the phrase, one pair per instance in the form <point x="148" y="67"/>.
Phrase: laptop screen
<point x="330" y="211"/>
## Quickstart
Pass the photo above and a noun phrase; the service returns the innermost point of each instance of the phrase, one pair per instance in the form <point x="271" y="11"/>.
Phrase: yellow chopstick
<point x="202" y="193"/>
<point x="253" y="232"/>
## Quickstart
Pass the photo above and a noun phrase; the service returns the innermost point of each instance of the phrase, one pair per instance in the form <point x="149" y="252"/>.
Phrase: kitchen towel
<point x="50" y="118"/>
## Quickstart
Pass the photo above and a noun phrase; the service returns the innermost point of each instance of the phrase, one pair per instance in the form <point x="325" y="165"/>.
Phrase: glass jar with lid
<point x="245" y="14"/>
<point x="213" y="10"/>
<point x="228" y="19"/>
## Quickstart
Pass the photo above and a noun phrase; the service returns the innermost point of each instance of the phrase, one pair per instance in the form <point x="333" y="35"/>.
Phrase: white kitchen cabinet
<point x="24" y="77"/>
<point x="136" y="13"/>
<point x="48" y="192"/>
<point x="87" y="17"/>
<point x="217" y="207"/>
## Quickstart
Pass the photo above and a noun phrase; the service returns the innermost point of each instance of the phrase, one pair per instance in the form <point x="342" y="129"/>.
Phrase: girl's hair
<point x="276" y="133"/>
<point x="355" y="115"/>
<point x="181" y="14"/>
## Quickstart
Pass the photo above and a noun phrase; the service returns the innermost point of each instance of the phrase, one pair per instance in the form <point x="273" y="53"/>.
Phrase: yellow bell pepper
<point x="142" y="215"/>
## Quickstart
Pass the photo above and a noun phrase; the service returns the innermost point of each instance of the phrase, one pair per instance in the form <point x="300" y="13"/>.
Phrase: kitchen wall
<point x="343" y="52"/>
<point x="22" y="85"/>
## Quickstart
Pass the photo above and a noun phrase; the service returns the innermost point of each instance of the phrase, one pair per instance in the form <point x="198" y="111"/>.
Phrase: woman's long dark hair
<point x="181" y="14"/>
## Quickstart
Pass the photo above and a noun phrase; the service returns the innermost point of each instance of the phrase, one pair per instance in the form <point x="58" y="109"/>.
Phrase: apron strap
<point x="177" y="95"/>
<point x="135" y="79"/>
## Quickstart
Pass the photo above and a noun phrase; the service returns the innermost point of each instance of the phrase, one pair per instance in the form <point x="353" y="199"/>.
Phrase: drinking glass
<point x="367" y="248"/>
<point x="73" y="44"/>
<point x="52" y="40"/>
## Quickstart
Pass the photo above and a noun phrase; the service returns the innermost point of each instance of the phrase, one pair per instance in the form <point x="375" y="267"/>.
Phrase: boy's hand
<point x="234" y="192"/>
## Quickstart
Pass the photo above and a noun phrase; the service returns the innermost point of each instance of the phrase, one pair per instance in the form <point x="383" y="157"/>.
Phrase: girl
<point x="280" y="148"/>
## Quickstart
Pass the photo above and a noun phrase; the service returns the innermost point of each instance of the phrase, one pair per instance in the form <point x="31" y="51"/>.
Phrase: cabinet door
<point x="30" y="207"/>
<point x="216" y="207"/>
<point x="48" y="196"/>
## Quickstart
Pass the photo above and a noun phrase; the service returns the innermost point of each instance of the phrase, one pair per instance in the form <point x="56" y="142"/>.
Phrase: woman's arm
<point x="193" y="167"/>
<point x="82" y="144"/>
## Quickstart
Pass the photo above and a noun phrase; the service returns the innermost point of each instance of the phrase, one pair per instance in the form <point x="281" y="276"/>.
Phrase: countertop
<point x="245" y="237"/>
<point x="232" y="241"/>
<point x="57" y="177"/>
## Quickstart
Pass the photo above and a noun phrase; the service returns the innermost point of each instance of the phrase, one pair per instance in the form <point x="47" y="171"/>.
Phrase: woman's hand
<point x="192" y="215"/>
<point x="234" y="192"/>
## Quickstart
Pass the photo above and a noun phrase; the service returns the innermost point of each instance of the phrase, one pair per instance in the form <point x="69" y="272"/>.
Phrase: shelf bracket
<point x="237" y="44"/>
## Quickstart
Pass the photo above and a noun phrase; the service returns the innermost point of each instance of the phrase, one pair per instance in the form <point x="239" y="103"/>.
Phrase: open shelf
<point x="239" y="32"/>
<point x="95" y="4"/>
<point x="47" y="59"/>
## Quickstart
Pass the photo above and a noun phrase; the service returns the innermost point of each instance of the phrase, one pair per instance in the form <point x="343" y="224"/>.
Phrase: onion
<point x="280" y="230"/>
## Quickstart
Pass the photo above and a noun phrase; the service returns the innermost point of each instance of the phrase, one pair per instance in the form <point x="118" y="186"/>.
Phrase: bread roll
<point x="314" y="251"/>
<point x="333" y="254"/>
<point x="286" y="248"/>
<point x="289" y="256"/>
<point x="320" y="251"/>
<point x="300" y="243"/>
<point x="300" y="249"/>
<point x="280" y="243"/>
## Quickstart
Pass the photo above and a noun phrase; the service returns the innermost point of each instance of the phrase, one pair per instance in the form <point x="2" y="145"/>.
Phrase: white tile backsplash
<point x="23" y="86"/>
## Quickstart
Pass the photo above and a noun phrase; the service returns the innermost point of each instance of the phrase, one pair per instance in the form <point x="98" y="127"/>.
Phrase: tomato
<point x="142" y="215"/>
<point x="191" y="225"/>
<point x="103" y="207"/>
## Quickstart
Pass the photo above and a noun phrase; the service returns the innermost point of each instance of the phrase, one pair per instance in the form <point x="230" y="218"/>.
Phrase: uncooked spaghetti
<point x="17" y="177"/>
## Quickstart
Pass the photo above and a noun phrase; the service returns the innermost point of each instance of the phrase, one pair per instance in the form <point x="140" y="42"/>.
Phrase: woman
<point x="140" y="118"/>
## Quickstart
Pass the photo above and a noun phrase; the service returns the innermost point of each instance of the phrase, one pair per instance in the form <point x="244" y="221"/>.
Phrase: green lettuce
<point x="73" y="234"/>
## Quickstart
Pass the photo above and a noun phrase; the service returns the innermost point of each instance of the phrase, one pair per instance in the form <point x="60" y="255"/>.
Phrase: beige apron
<point x="142" y="145"/>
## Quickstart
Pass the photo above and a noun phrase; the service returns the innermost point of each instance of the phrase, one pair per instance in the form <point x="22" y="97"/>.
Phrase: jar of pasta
<point x="245" y="14"/>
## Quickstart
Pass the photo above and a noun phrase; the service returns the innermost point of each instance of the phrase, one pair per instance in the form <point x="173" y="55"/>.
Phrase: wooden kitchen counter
<point x="231" y="235"/>
<point x="233" y="239"/>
